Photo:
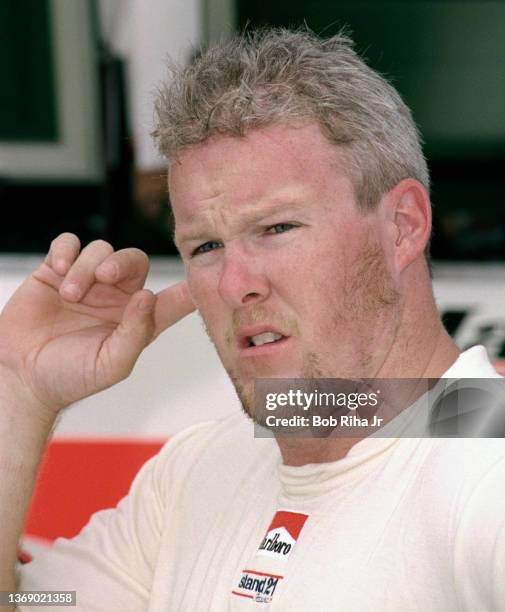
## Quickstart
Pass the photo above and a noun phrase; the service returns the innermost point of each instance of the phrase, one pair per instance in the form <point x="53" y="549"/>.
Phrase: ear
<point x="407" y="208"/>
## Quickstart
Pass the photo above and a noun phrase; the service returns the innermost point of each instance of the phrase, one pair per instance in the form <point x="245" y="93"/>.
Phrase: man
<point x="300" y="196"/>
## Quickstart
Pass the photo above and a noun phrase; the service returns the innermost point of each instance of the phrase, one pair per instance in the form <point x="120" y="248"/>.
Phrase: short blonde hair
<point x="277" y="75"/>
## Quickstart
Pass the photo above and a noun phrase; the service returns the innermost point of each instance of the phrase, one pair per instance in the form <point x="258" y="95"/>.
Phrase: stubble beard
<point x="311" y="369"/>
<point x="369" y="299"/>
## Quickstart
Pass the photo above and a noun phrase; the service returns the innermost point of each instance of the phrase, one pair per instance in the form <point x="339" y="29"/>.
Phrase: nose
<point x="242" y="280"/>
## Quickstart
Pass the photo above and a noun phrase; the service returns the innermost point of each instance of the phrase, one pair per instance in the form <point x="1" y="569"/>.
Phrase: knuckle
<point x="65" y="240"/>
<point x="140" y="255"/>
<point x="132" y="258"/>
<point x="68" y="236"/>
<point x="102" y="245"/>
<point x="132" y="252"/>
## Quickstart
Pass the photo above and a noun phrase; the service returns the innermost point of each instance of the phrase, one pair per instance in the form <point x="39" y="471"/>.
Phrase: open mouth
<point x="252" y="340"/>
<point x="264" y="338"/>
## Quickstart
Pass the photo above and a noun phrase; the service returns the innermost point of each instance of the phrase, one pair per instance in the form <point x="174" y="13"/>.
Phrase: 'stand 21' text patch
<point x="256" y="583"/>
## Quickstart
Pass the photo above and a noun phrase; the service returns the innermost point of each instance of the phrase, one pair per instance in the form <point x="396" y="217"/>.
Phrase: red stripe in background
<point x="79" y="477"/>
<point x="500" y="367"/>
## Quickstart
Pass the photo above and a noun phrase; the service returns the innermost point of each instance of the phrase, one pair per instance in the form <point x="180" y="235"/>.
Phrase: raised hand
<point x="78" y="324"/>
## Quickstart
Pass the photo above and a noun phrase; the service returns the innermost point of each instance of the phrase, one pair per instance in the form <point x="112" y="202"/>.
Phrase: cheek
<point x="321" y="266"/>
<point x="321" y="278"/>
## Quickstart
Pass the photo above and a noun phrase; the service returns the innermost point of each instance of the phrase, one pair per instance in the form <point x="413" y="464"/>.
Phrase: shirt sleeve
<point x="111" y="562"/>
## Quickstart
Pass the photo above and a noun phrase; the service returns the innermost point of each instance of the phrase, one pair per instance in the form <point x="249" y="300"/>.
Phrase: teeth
<point x="264" y="338"/>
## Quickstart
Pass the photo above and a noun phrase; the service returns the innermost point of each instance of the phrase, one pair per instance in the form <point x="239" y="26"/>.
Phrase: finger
<point x="135" y="331"/>
<point x="62" y="253"/>
<point x="172" y="304"/>
<point x="81" y="275"/>
<point x="127" y="268"/>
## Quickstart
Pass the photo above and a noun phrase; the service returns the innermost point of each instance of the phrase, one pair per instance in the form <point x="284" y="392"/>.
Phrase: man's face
<point x="288" y="275"/>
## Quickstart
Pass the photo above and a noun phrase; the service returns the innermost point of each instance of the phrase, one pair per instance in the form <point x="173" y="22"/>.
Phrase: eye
<point x="206" y="247"/>
<point x="280" y="228"/>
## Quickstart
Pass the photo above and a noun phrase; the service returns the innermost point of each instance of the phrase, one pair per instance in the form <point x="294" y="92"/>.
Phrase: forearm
<point x="25" y="426"/>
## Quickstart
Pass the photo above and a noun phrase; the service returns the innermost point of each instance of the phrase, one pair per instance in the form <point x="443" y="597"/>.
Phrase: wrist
<point x="20" y="407"/>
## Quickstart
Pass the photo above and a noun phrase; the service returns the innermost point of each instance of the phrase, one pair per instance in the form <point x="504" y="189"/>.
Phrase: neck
<point x="421" y="348"/>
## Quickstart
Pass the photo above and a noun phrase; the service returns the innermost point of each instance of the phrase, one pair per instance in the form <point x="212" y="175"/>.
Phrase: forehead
<point x="265" y="162"/>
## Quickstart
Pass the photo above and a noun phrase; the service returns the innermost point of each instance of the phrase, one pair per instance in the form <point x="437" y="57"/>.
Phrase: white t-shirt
<point x="217" y="522"/>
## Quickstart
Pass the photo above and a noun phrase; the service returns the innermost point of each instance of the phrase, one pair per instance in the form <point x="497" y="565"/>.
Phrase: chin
<point x="245" y="393"/>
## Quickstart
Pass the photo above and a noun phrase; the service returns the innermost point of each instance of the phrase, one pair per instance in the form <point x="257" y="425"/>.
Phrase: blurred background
<point x="76" y="110"/>
<point x="80" y="78"/>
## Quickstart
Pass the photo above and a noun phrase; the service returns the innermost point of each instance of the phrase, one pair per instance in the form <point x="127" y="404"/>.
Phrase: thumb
<point x="131" y="336"/>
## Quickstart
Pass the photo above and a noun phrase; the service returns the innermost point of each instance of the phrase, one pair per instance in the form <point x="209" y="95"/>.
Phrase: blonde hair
<point x="277" y="75"/>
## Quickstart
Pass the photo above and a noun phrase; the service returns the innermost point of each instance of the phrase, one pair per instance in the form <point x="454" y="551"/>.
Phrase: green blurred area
<point x="446" y="57"/>
<point x="28" y="109"/>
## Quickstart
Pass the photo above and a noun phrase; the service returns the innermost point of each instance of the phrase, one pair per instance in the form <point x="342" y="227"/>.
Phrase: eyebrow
<point x="243" y="217"/>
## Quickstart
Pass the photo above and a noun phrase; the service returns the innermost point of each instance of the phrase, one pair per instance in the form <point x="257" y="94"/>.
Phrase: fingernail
<point x="72" y="291"/>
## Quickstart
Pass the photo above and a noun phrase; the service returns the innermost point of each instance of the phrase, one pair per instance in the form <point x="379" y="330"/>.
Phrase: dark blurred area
<point x="116" y="202"/>
<point x="447" y="59"/>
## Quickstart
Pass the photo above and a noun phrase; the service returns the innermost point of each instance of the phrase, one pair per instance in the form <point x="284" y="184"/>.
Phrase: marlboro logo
<point x="282" y="534"/>
<point x="256" y="584"/>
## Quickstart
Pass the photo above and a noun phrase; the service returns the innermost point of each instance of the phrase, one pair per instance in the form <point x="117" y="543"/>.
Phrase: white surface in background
<point x="479" y="289"/>
<point x="179" y="380"/>
<point x="146" y="33"/>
